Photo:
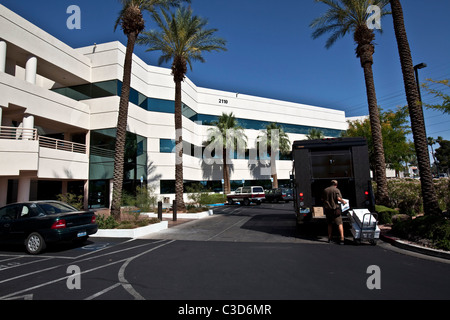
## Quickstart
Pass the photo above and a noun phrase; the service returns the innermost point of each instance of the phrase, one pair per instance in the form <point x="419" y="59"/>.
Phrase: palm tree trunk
<point x="122" y="129"/>
<point x="375" y="125"/>
<point x="179" y="149"/>
<point x="430" y="203"/>
<point x="226" y="173"/>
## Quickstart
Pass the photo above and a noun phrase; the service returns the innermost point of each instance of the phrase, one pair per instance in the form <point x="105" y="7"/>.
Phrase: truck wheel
<point x="246" y="202"/>
<point x="35" y="243"/>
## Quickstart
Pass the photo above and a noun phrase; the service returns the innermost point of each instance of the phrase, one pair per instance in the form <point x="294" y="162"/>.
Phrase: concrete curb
<point x="144" y="231"/>
<point x="130" y="233"/>
<point x="198" y="215"/>
<point x="415" y="248"/>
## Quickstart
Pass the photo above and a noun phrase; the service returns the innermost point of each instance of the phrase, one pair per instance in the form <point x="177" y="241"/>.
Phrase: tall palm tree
<point x="276" y="141"/>
<point x="343" y="17"/>
<point x="229" y="136"/>
<point x="183" y="38"/>
<point x="132" y="23"/>
<point x="430" y="202"/>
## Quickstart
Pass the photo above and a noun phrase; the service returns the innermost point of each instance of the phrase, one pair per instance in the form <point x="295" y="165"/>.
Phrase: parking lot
<point x="71" y="272"/>
<point x="239" y="253"/>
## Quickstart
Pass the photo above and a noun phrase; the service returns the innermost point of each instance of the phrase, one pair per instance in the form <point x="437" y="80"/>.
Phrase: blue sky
<point x="271" y="52"/>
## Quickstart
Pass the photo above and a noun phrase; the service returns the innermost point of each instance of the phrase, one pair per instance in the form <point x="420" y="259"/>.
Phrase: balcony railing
<point x="51" y="143"/>
<point x="13" y="133"/>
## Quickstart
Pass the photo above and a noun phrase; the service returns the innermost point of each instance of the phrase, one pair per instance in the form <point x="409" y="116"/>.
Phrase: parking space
<point x="68" y="250"/>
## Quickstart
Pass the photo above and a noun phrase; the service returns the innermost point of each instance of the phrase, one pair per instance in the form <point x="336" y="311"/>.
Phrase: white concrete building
<point x="59" y="107"/>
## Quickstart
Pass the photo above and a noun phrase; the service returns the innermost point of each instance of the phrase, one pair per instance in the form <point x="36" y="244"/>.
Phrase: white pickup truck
<point x="247" y="195"/>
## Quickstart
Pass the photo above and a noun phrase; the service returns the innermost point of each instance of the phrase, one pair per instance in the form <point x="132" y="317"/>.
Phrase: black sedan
<point x="36" y="223"/>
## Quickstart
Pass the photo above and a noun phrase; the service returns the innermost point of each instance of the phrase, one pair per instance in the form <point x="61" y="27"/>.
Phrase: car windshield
<point x="56" y="207"/>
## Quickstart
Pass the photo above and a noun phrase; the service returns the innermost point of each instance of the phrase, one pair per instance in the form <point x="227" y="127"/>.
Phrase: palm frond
<point x="343" y="17"/>
<point x="181" y="34"/>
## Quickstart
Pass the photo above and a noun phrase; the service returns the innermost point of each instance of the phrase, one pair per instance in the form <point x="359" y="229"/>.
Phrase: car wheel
<point x="35" y="243"/>
<point x="246" y="202"/>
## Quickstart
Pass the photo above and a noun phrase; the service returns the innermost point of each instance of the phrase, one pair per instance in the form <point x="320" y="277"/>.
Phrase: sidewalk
<point x="387" y="236"/>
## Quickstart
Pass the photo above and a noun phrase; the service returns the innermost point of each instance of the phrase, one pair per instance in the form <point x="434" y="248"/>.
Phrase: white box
<point x="363" y="214"/>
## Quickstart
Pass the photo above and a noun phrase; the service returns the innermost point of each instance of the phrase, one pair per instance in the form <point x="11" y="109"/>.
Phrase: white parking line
<point x="122" y="281"/>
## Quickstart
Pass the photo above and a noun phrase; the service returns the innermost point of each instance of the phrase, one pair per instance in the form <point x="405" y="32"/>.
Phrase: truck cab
<point x="317" y="162"/>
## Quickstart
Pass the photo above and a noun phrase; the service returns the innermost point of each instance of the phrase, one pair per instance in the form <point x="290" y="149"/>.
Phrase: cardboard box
<point x="317" y="212"/>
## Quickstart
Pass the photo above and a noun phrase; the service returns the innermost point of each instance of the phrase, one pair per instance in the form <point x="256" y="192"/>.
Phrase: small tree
<point x="315" y="134"/>
<point x="228" y="136"/>
<point x="276" y="141"/>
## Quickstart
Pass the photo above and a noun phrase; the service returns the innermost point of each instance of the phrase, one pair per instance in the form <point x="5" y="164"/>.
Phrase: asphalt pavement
<point x="239" y="254"/>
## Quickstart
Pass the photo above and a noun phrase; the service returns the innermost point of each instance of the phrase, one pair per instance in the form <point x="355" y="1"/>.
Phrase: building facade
<point x="59" y="108"/>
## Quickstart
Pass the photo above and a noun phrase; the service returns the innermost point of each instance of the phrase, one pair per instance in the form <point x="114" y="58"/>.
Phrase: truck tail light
<point x="302" y="203"/>
<point x="60" y="224"/>
<point x="93" y="219"/>
<point x="366" y="198"/>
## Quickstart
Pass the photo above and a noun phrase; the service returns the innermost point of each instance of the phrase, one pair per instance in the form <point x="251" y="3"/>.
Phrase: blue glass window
<point x="166" y="145"/>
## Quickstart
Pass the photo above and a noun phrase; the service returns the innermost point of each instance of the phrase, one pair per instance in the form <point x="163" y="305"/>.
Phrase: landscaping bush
<point x="133" y="221"/>
<point x="428" y="230"/>
<point x="201" y="196"/>
<point x="72" y="199"/>
<point x="405" y="194"/>
<point x="442" y="187"/>
<point x="385" y="214"/>
<point x="144" y="199"/>
<point x="106" y="222"/>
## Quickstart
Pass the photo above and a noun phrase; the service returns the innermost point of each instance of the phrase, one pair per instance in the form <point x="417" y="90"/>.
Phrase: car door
<point x="24" y="222"/>
<point x="7" y="217"/>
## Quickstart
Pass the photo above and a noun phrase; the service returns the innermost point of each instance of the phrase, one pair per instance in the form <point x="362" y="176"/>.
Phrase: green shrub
<point x="385" y="214"/>
<point x="72" y="199"/>
<point x="405" y="194"/>
<point x="436" y="229"/>
<point x="144" y="199"/>
<point x="106" y="222"/>
<point x="201" y="196"/>
<point x="442" y="187"/>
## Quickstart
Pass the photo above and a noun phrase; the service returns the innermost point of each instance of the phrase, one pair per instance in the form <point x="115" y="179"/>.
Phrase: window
<point x="56" y="207"/>
<point x="91" y="90"/>
<point x="166" y="145"/>
<point x="9" y="212"/>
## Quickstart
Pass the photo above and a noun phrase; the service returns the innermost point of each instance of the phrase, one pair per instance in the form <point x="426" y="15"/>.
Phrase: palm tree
<point x="430" y="202"/>
<point x="228" y="136"/>
<point x="343" y="17"/>
<point x="315" y="134"/>
<point x="132" y="23"/>
<point x="276" y="141"/>
<point x="183" y="38"/>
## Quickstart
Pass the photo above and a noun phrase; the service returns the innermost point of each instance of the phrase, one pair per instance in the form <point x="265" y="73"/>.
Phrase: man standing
<point x="331" y="198"/>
